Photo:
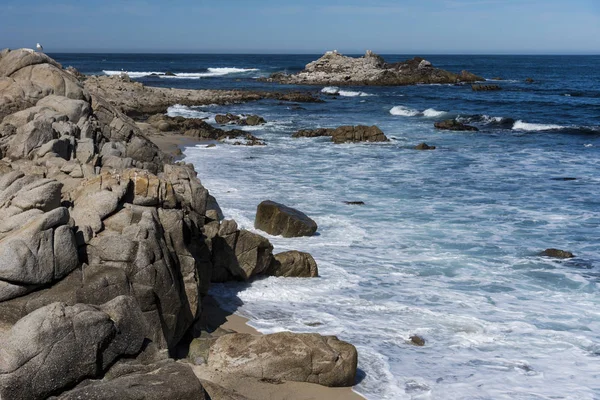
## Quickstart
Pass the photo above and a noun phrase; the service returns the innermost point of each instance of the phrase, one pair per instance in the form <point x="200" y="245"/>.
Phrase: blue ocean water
<point x="446" y="245"/>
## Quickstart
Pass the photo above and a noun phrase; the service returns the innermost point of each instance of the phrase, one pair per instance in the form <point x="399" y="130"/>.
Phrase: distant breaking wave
<point x="409" y="112"/>
<point x="522" y="126"/>
<point x="210" y="72"/>
<point x="334" y="90"/>
<point x="528" y="127"/>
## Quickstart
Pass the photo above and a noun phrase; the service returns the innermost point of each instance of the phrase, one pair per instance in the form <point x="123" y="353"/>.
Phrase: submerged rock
<point x="454" y="125"/>
<point x="417" y="340"/>
<point x="485" y="88"/>
<point x="424" y="146"/>
<point x="277" y="219"/>
<point x="336" y="69"/>
<point x="346" y="134"/>
<point x="556" y="253"/>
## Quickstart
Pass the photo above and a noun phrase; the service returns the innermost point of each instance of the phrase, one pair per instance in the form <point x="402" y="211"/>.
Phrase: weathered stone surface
<point x="57" y="346"/>
<point x="556" y="253"/>
<point x="293" y="264"/>
<point x="346" y="134"/>
<point x="336" y="69"/>
<point x="454" y="125"/>
<point x="158" y="381"/>
<point x="239" y="254"/>
<point x="277" y="219"/>
<point x="289" y="356"/>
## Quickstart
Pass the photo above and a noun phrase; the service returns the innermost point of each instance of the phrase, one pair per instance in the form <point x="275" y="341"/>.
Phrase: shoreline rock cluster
<point x="107" y="250"/>
<point x="336" y="69"/>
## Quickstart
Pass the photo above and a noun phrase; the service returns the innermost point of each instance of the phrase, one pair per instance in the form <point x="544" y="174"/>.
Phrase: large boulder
<point x="277" y="219"/>
<point x="57" y="346"/>
<point x="300" y="357"/>
<point x="237" y="254"/>
<point x="293" y="264"/>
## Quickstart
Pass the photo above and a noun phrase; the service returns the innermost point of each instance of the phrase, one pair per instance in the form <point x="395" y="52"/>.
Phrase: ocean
<point x="447" y="243"/>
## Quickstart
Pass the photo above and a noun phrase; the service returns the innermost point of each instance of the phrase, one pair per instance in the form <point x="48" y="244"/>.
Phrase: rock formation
<point x="336" y="69"/>
<point x="454" y="125"/>
<point x="106" y="248"/>
<point x="289" y="356"/>
<point x="346" y="134"/>
<point x="277" y="219"/>
<point x="250" y="120"/>
<point x="200" y="129"/>
<point x="134" y="99"/>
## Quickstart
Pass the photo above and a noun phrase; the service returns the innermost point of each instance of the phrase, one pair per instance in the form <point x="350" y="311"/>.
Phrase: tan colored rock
<point x="277" y="219"/>
<point x="293" y="264"/>
<point x="300" y="357"/>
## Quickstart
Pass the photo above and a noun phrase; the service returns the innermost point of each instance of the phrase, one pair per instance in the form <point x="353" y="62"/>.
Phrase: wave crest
<point x="210" y="72"/>
<point x="410" y="112"/>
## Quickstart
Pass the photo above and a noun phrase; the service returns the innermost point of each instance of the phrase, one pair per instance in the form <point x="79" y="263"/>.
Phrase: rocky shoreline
<point x="108" y="248"/>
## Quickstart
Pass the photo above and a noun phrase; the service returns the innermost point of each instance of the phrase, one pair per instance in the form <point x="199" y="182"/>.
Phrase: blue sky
<point x="313" y="26"/>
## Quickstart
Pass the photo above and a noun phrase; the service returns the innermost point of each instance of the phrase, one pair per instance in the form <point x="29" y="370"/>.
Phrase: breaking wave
<point x="210" y="72"/>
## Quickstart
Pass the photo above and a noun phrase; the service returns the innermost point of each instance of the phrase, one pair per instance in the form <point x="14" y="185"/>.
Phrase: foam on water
<point x="409" y="112"/>
<point x="334" y="90"/>
<point x="404" y="111"/>
<point x="433" y="113"/>
<point x="211" y="72"/>
<point x="430" y="254"/>
<point x="529" y="127"/>
<point x="179" y="110"/>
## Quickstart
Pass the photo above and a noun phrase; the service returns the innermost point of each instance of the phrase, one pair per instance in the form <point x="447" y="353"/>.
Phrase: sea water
<point x="447" y="243"/>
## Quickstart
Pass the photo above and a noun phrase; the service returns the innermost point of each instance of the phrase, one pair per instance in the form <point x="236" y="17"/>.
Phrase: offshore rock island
<point x="334" y="68"/>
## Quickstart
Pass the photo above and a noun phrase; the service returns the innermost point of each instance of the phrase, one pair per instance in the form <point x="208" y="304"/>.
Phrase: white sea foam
<point x="529" y="127"/>
<point x="179" y="110"/>
<point x="330" y="90"/>
<point x="212" y="72"/>
<point x="432" y="113"/>
<point x="404" y="111"/>
<point x="409" y="112"/>
<point x="131" y="74"/>
<point x="334" y="90"/>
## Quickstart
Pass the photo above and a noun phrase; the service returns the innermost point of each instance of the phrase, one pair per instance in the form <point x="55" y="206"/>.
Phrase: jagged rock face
<point x="300" y="357"/>
<point x="334" y="68"/>
<point x="277" y="219"/>
<point x="58" y="345"/>
<point x="36" y="245"/>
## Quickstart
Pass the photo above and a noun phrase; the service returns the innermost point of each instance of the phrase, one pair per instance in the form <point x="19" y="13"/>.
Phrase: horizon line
<point x="293" y="53"/>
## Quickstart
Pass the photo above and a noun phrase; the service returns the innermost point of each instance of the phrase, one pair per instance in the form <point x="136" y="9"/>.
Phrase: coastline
<point x="216" y="317"/>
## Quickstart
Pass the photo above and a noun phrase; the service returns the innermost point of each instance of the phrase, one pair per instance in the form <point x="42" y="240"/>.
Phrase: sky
<point x="307" y="26"/>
